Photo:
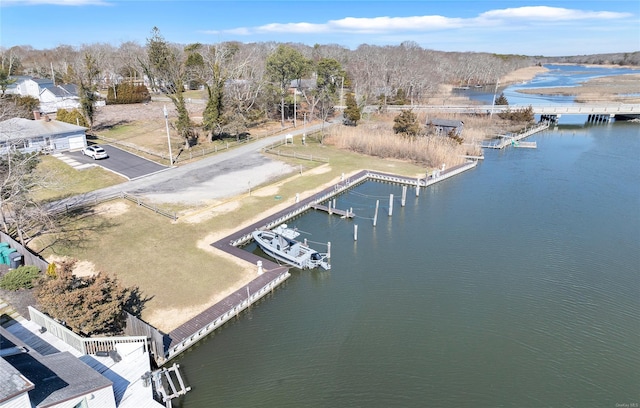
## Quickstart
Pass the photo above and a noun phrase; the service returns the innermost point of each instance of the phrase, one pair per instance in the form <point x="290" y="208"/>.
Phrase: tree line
<point x="246" y="83"/>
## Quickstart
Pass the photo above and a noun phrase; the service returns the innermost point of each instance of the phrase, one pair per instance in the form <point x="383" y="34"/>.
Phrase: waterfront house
<point x="49" y="379"/>
<point x="51" y="368"/>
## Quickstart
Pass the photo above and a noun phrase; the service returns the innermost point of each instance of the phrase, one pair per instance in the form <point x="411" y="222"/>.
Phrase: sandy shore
<point x="521" y="75"/>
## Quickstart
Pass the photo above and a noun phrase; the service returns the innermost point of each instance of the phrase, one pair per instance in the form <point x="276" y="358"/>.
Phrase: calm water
<point x="516" y="284"/>
<point x="556" y="76"/>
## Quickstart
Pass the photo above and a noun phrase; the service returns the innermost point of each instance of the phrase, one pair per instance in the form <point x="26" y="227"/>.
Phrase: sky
<point x="526" y="27"/>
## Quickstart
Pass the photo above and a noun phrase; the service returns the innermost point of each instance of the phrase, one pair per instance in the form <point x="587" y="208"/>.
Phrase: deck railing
<point x="84" y="345"/>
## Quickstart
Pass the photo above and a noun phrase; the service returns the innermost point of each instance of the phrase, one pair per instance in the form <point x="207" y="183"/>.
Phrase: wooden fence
<point x="151" y="207"/>
<point x="194" y="151"/>
<point x="29" y="257"/>
<point x="137" y="327"/>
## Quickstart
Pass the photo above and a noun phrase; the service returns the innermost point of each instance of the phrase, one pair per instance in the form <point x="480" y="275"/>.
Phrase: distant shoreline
<point x="618" y="88"/>
<point x="521" y="75"/>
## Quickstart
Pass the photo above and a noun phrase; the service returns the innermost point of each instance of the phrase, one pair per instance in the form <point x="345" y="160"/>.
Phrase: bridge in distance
<point x="564" y="109"/>
<point x="553" y="112"/>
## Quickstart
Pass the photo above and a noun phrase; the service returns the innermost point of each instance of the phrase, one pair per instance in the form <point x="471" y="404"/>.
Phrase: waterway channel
<point x="513" y="284"/>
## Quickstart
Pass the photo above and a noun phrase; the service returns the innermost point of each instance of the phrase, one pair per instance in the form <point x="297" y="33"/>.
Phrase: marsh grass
<point x="376" y="138"/>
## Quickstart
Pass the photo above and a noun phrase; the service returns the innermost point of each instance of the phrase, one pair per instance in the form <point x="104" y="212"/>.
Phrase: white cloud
<point x="390" y="25"/>
<point x="550" y="13"/>
<point x="300" y="28"/>
<point x="56" y="2"/>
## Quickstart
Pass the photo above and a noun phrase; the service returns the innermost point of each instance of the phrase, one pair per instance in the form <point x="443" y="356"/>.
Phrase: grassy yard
<point x="166" y="259"/>
<point x="62" y="180"/>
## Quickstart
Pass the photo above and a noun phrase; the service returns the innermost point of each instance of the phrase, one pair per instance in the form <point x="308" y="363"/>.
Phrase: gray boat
<point x="280" y="244"/>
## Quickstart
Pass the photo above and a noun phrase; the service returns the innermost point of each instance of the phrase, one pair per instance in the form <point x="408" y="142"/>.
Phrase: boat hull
<point x="289" y="251"/>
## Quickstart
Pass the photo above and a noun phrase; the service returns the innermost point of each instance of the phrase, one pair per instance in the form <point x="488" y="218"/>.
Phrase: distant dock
<point x="514" y="139"/>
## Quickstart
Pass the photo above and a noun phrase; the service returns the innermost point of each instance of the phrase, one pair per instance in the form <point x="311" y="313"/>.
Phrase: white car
<point x="95" y="151"/>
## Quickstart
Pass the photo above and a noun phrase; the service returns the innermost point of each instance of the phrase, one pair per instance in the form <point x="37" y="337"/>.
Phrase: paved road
<point x="122" y="162"/>
<point x="221" y="175"/>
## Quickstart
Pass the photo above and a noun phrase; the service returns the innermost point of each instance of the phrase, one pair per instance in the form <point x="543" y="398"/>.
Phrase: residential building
<point x="43" y="135"/>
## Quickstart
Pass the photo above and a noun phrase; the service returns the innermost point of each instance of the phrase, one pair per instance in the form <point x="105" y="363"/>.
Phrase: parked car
<point x="95" y="151"/>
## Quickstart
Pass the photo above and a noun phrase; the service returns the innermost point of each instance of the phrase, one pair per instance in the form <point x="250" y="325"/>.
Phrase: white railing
<point x="85" y="345"/>
<point x="231" y="312"/>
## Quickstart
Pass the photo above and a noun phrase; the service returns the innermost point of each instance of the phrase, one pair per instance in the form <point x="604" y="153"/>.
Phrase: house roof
<point x="72" y="89"/>
<point x="13" y="383"/>
<point x="62" y="91"/>
<point x="41" y="81"/>
<point x="57" y="91"/>
<point x="445" y="123"/>
<point x="57" y="377"/>
<point x="20" y="128"/>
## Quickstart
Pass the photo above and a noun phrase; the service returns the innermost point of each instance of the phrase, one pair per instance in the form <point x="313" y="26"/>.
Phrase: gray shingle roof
<point x="445" y="123"/>
<point x="13" y="383"/>
<point x="57" y="377"/>
<point x="20" y="128"/>
<point x="72" y="89"/>
<point x="42" y="81"/>
<point x="57" y="91"/>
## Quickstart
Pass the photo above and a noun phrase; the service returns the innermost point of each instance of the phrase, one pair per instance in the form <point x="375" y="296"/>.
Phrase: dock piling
<point x="375" y="216"/>
<point x="404" y="195"/>
<point x="355" y="232"/>
<point x="390" y="205"/>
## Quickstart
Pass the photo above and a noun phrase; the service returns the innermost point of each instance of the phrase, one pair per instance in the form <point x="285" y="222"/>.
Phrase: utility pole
<point x="494" y="98"/>
<point x="166" y="120"/>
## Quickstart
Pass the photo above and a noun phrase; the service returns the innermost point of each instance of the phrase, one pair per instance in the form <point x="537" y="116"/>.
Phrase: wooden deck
<point x="336" y="211"/>
<point x="128" y="389"/>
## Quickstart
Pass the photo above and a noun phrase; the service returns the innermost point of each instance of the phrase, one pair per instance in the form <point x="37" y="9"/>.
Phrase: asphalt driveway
<point x="124" y="163"/>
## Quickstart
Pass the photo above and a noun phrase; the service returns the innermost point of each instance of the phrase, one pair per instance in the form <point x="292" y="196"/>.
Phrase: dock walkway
<point x="331" y="210"/>
<point x="506" y="140"/>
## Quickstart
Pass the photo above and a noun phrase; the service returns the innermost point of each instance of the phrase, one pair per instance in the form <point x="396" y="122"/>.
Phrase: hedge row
<point x="126" y="93"/>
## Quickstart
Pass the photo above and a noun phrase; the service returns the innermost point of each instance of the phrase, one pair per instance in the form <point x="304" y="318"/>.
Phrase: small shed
<point x="445" y="127"/>
<point x="43" y="135"/>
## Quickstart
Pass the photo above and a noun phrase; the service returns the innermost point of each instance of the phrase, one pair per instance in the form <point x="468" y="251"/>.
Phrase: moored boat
<point x="280" y="244"/>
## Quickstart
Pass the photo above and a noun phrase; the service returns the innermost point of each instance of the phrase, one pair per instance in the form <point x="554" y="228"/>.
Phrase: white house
<point x="40" y="370"/>
<point x="43" y="135"/>
<point x="50" y="379"/>
<point x="51" y="97"/>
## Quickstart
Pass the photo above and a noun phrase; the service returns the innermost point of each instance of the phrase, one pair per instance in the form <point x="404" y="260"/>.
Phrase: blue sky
<point x="527" y="27"/>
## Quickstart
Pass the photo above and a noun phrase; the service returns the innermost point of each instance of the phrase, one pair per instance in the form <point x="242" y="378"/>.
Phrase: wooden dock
<point x="512" y="139"/>
<point x="331" y="210"/>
